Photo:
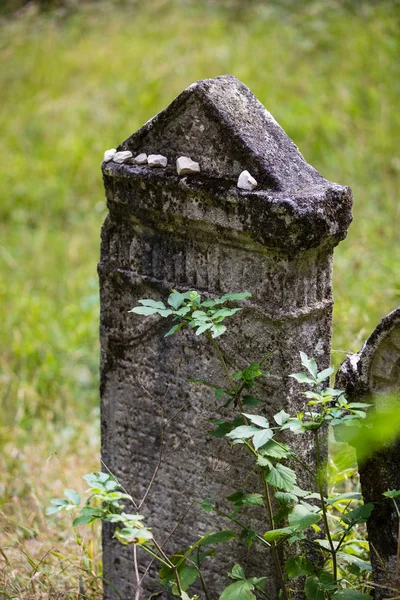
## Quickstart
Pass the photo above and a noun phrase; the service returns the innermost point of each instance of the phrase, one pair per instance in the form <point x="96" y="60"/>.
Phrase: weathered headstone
<point x="374" y="374"/>
<point x="166" y="231"/>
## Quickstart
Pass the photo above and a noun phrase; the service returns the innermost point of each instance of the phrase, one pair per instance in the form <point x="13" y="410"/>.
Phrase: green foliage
<point x="189" y="310"/>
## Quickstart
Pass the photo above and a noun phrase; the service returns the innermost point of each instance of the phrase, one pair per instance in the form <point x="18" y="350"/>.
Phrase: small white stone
<point x="185" y="165"/>
<point x="246" y="181"/>
<point x="157" y="160"/>
<point x="141" y="159"/>
<point x="108" y="154"/>
<point x="121" y="157"/>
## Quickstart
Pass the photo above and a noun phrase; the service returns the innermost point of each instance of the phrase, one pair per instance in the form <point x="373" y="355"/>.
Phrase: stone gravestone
<point x="374" y="374"/>
<point x="200" y="231"/>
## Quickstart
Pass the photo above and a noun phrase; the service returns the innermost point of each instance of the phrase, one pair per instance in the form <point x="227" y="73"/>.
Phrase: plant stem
<point x="397" y="575"/>
<point x="222" y="360"/>
<point x="324" y="512"/>
<point x="268" y="505"/>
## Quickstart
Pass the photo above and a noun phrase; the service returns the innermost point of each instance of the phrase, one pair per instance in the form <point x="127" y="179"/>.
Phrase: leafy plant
<point x="291" y="512"/>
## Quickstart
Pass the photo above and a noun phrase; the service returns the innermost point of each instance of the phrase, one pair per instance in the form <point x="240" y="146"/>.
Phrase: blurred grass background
<point x="78" y="79"/>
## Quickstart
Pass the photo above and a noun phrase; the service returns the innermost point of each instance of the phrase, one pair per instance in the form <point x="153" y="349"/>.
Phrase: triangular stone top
<point x="220" y="124"/>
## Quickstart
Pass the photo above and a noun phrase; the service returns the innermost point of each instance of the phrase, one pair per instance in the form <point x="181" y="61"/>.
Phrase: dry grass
<point x="44" y="557"/>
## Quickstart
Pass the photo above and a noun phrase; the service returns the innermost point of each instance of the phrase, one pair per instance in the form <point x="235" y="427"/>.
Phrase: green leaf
<point x="145" y="310"/>
<point x="392" y="494"/>
<point x="153" y="303"/>
<point x="236" y="296"/>
<point x="322" y="375"/>
<point x="315" y="589"/>
<point x="275" y="450"/>
<point x="207" y="505"/>
<point x="355" y="560"/>
<point x="281" y="477"/>
<point x="220" y="537"/>
<point x="244" y="431"/>
<point x="301" y="517"/>
<point x="302" y="378"/>
<point x="278" y="534"/>
<point x="252" y="500"/>
<point x="298" y="566"/>
<point x="258" y="420"/>
<point x="250" y="400"/>
<point x="203" y="328"/>
<point x="237" y="572"/>
<point x="240" y="590"/>
<point x="217" y="330"/>
<point x="309" y="364"/>
<point x="52" y="510"/>
<point x="350" y="595"/>
<point x="83" y="520"/>
<point x="346" y="496"/>
<point x="281" y="417"/>
<point x="262" y="437"/>
<point x="225" y="312"/>
<point x="225" y="427"/>
<point x="73" y="496"/>
<point x="259" y="582"/>
<point x="285" y="498"/>
<point x="176" y="299"/>
<point x="133" y="535"/>
<point x="358" y="515"/>
<point x="252" y="371"/>
<point x="174" y="329"/>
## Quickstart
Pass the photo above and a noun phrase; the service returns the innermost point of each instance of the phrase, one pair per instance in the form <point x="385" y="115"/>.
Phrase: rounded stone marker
<point x="121" y="157"/>
<point x="157" y="160"/>
<point x="185" y="165"/>
<point x="246" y="181"/>
<point x="109" y="154"/>
<point x="141" y="159"/>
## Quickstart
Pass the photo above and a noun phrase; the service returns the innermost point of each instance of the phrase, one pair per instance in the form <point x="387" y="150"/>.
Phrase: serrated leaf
<point x="72" y="496"/>
<point x="298" y="566"/>
<point x="240" y="590"/>
<point x="258" y="420"/>
<point x="275" y="450"/>
<point x="263" y="461"/>
<point x="244" y="431"/>
<point x="253" y="500"/>
<point x="281" y="477"/>
<point x="285" y="498"/>
<point x="220" y="537"/>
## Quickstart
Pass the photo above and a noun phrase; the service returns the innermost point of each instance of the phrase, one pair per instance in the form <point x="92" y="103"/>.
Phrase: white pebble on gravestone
<point x="141" y="159"/>
<point x="121" y="157"/>
<point x="246" y="181"/>
<point x="185" y="165"/>
<point x="157" y="160"/>
<point x="109" y="154"/>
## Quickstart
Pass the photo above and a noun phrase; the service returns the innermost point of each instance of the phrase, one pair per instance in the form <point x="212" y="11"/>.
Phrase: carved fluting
<point x="168" y="232"/>
<point x="374" y="374"/>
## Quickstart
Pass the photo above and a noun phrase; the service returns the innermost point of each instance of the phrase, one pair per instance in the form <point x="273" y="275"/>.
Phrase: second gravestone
<point x="200" y="231"/>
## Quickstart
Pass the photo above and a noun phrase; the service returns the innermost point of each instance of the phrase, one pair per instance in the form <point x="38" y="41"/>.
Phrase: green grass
<point x="74" y="86"/>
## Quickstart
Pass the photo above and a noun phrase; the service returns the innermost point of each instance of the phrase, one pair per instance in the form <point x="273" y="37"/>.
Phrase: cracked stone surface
<point x="166" y="232"/>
